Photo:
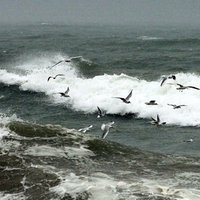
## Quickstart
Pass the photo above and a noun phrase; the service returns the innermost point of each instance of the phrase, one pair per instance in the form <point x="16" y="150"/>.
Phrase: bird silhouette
<point x="176" y="106"/>
<point x="100" y="113"/>
<point x="65" y="94"/>
<point x="157" y="121"/>
<point x="54" y="77"/>
<point x="182" y="87"/>
<point x="66" y="60"/>
<point x="125" y="100"/>
<point x="152" y="102"/>
<point x="167" y="77"/>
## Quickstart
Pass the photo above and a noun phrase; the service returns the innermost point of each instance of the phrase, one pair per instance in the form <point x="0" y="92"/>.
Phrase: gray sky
<point x="101" y="11"/>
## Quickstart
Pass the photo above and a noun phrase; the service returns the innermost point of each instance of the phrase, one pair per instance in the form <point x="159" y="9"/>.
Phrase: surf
<point x="88" y="93"/>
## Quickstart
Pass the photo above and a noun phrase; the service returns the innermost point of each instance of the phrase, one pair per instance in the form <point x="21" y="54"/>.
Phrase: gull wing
<point x="129" y="96"/>
<point x="67" y="91"/>
<point x="171" y="105"/>
<point x="105" y="131"/>
<point x="49" y="78"/>
<point x="163" y="80"/>
<point x="85" y="128"/>
<point x="57" y="63"/>
<point x="158" y="118"/>
<point x="180" y="85"/>
<point x="193" y="87"/>
<point x="75" y="57"/>
<point x="99" y="110"/>
<point x="123" y="99"/>
<point x="59" y="75"/>
<point x="103" y="127"/>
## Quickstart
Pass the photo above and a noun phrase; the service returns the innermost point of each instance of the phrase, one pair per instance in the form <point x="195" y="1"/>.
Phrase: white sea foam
<point x="102" y="186"/>
<point x="16" y="196"/>
<point x="11" y="145"/>
<point x="4" y="131"/>
<point x="88" y="93"/>
<point x="99" y="187"/>
<point x="64" y="152"/>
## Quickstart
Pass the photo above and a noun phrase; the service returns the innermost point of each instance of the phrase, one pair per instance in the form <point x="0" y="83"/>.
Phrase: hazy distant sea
<point x="42" y="153"/>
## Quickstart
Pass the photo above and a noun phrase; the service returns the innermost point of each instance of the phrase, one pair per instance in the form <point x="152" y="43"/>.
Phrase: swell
<point x="99" y="151"/>
<point x="36" y="158"/>
<point x="104" y="149"/>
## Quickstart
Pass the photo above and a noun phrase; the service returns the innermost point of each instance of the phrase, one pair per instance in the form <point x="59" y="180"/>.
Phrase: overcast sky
<point x="101" y="11"/>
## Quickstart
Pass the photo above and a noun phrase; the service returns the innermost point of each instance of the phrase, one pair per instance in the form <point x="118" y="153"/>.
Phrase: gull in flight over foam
<point x="64" y="94"/>
<point x="181" y="87"/>
<point x="125" y="100"/>
<point x="167" y="77"/>
<point x="85" y="129"/>
<point x="176" y="106"/>
<point x="157" y="121"/>
<point x="152" y="102"/>
<point x="66" y="60"/>
<point x="105" y="128"/>
<point x="54" y="77"/>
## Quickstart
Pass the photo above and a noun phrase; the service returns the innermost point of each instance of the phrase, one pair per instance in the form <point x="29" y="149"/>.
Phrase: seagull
<point x="152" y="102"/>
<point x="100" y="113"/>
<point x="64" y="94"/>
<point x="181" y="87"/>
<point x="125" y="100"/>
<point x="190" y="140"/>
<point x="84" y="130"/>
<point x="66" y="60"/>
<point x="169" y="77"/>
<point x="157" y="121"/>
<point x="105" y="128"/>
<point x="54" y="76"/>
<point x="176" y="106"/>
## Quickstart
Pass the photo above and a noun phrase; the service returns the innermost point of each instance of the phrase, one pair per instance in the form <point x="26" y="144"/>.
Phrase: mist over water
<point x="68" y="12"/>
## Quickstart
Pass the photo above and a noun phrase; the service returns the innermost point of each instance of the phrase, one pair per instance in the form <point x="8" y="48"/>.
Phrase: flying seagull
<point x="85" y="129"/>
<point x="189" y="140"/>
<point x="176" y="106"/>
<point x="125" y="100"/>
<point x="167" y="77"/>
<point x="66" y="60"/>
<point x="181" y="87"/>
<point x="105" y="128"/>
<point x="64" y="94"/>
<point x="100" y="113"/>
<point x="152" y="102"/>
<point x="54" y="77"/>
<point x="157" y="121"/>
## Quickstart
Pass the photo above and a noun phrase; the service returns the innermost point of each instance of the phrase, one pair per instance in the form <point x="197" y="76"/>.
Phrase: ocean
<point x="45" y="155"/>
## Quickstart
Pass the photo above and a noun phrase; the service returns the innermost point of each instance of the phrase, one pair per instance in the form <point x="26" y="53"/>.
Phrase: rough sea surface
<point x="43" y="153"/>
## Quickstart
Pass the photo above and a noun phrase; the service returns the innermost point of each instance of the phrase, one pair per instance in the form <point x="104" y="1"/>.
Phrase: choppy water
<point x="44" y="156"/>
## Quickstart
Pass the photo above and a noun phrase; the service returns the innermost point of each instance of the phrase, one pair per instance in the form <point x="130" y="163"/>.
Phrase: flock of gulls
<point x="105" y="127"/>
<point x="180" y="88"/>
